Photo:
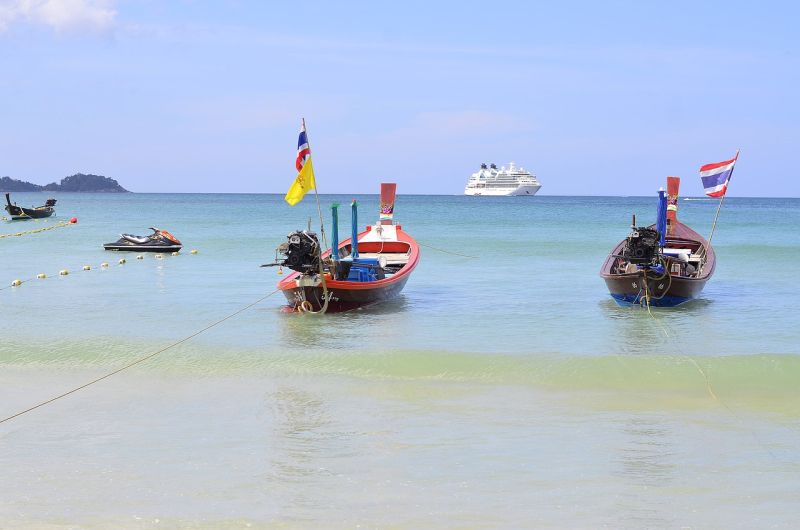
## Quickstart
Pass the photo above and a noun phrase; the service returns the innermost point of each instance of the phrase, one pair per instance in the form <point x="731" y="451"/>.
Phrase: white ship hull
<point x="503" y="182"/>
<point x="504" y="192"/>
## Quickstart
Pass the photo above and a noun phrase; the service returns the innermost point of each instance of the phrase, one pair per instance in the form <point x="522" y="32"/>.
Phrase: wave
<point x="762" y="381"/>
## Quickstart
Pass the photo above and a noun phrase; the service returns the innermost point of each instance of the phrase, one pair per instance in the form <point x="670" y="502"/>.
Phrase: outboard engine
<point x="301" y="252"/>
<point x="642" y="246"/>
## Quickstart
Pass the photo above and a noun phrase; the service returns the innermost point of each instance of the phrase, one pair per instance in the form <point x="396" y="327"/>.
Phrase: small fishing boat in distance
<point x="661" y="265"/>
<point x="369" y="267"/>
<point x="18" y="213"/>
<point x="158" y="241"/>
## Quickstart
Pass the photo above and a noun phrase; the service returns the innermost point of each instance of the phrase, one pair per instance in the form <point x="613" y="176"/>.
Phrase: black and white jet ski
<point x="158" y="241"/>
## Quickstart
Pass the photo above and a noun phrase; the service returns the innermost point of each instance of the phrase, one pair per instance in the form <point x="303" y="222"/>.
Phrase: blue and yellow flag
<point x="303" y="183"/>
<point x="305" y="178"/>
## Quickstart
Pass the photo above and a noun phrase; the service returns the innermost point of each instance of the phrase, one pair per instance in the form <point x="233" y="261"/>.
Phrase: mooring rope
<point x="447" y="251"/>
<point x="137" y="361"/>
<point x="709" y="386"/>
<point x="37" y="230"/>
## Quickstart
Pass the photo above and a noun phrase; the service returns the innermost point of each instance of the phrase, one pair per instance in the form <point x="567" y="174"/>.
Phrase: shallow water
<point x="504" y="390"/>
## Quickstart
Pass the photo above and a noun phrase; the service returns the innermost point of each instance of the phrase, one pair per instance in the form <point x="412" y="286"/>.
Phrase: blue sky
<point x="597" y="98"/>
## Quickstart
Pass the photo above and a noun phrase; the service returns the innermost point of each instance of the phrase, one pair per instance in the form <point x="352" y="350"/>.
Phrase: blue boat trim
<point x="628" y="300"/>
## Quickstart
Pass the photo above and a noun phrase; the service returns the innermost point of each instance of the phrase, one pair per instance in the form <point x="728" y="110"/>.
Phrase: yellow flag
<point x="303" y="183"/>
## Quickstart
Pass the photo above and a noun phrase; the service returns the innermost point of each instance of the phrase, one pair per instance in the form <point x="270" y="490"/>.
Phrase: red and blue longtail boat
<point x="369" y="267"/>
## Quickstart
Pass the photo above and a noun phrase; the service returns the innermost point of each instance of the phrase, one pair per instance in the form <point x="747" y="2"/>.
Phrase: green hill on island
<point x="78" y="182"/>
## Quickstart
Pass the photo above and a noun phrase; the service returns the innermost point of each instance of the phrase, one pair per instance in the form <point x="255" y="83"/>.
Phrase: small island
<point x="78" y="182"/>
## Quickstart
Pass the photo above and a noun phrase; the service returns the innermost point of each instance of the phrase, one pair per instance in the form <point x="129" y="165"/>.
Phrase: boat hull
<point x="666" y="290"/>
<point x="628" y="290"/>
<point x="142" y="248"/>
<point x="19" y="213"/>
<point x="524" y="190"/>
<point x="345" y="295"/>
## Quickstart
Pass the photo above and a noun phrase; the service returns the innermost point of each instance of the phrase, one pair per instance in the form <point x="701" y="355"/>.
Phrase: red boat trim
<point x="289" y="282"/>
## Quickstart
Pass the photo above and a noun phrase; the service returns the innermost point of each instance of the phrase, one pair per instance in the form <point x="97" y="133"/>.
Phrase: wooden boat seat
<point x="392" y="258"/>
<point x="681" y="254"/>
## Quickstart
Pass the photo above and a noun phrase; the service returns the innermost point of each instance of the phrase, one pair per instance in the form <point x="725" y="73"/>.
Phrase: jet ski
<point x="158" y="241"/>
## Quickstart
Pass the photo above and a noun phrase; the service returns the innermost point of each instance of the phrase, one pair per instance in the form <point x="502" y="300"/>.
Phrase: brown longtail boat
<point x="662" y="265"/>
<point x="37" y="212"/>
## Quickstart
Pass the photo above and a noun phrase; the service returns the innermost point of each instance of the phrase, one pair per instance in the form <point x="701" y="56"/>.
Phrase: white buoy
<point x="41" y="276"/>
<point x="104" y="265"/>
<point x="175" y="253"/>
<point x="158" y="256"/>
<point x="87" y="268"/>
<point x="16" y="283"/>
<point x="140" y="256"/>
<point x="121" y="261"/>
<point x="194" y="251"/>
<point x="63" y="272"/>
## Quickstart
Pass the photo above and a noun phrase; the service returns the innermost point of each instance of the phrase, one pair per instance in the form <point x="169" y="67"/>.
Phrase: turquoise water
<point x="504" y="389"/>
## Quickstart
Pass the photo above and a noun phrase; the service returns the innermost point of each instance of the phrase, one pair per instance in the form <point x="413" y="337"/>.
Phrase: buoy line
<point x="37" y="230"/>
<point x="137" y="361"/>
<point x="66" y="272"/>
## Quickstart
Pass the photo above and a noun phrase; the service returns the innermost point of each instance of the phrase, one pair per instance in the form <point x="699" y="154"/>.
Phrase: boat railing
<point x="702" y="253"/>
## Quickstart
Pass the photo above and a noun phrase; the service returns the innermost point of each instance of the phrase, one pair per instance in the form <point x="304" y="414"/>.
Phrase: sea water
<point x="502" y="389"/>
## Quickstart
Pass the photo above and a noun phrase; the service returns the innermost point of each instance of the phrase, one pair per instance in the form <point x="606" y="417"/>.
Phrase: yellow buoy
<point x="104" y="264"/>
<point x="194" y="251"/>
<point x="122" y="261"/>
<point x="41" y="276"/>
<point x="63" y="272"/>
<point x="87" y="268"/>
<point x="16" y="283"/>
<point x="140" y="256"/>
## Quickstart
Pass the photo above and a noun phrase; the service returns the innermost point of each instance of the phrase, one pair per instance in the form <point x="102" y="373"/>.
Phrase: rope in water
<point x="137" y="361"/>
<point x="37" y="230"/>
<point x="709" y="386"/>
<point x="447" y="251"/>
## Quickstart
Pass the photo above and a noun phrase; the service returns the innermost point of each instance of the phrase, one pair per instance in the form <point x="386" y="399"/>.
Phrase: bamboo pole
<point x="719" y="206"/>
<point x="316" y="193"/>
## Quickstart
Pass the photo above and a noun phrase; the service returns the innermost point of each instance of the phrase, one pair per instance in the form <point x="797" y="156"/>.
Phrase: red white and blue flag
<point x="303" y="151"/>
<point x="716" y="176"/>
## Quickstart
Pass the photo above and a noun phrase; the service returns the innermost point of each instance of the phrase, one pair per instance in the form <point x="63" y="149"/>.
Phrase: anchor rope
<point x="137" y="361"/>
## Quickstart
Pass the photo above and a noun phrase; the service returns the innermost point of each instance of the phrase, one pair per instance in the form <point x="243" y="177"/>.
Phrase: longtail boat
<point x="663" y="265"/>
<point x="37" y="212"/>
<point x="369" y="267"/>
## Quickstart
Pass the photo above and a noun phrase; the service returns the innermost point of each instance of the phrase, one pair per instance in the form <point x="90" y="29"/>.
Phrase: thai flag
<point x="303" y="151"/>
<point x="716" y="176"/>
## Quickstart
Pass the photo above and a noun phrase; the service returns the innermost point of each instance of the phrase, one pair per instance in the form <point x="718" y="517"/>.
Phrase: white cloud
<point x="60" y="15"/>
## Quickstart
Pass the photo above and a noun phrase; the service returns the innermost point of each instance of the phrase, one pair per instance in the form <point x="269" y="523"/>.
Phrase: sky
<point x="595" y="98"/>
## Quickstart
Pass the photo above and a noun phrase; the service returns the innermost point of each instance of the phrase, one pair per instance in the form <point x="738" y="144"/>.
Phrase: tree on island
<point x="9" y="184"/>
<point x="78" y="182"/>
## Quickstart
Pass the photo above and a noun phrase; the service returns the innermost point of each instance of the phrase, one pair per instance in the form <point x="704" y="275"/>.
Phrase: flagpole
<point x="316" y="194"/>
<point x="719" y="206"/>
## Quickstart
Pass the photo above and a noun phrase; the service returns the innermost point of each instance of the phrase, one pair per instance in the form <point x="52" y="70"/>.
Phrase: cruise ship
<point x="504" y="181"/>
